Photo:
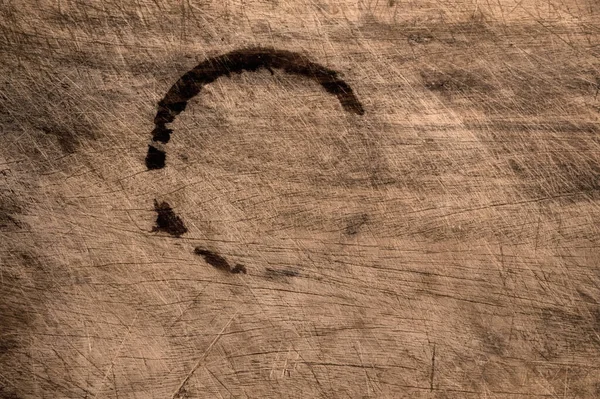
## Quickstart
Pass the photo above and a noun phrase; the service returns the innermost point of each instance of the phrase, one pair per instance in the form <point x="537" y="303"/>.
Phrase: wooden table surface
<point x="445" y="243"/>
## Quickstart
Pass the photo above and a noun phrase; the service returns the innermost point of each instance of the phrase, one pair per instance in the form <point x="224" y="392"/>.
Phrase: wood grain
<point x="445" y="244"/>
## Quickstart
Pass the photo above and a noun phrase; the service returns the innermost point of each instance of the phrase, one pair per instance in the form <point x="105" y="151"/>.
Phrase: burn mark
<point x="238" y="61"/>
<point x="167" y="221"/>
<point x="155" y="159"/>
<point x="219" y="262"/>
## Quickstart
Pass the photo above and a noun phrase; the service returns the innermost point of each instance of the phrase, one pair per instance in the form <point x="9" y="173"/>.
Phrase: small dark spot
<point x="514" y="165"/>
<point x="7" y="221"/>
<point x="7" y="345"/>
<point x="587" y="298"/>
<point x="280" y="273"/>
<point x="6" y="394"/>
<point x="155" y="159"/>
<point x="436" y="85"/>
<point x="219" y="262"/>
<point x="239" y="269"/>
<point x="167" y="220"/>
<point x="355" y="223"/>
<point x="420" y="39"/>
<point x="455" y="81"/>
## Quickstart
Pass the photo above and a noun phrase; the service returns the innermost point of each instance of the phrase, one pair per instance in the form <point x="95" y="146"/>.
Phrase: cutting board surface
<point x="364" y="199"/>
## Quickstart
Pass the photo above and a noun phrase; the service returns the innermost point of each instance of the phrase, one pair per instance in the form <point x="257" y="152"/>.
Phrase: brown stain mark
<point x="167" y="221"/>
<point x="5" y="393"/>
<point x="14" y="313"/>
<point x="355" y="224"/>
<point x="238" y="61"/>
<point x="515" y="166"/>
<point x="571" y="327"/>
<point x="219" y="262"/>
<point x="69" y="136"/>
<point x="454" y="81"/>
<point x="426" y="30"/>
<point x="6" y="345"/>
<point x="417" y="38"/>
<point x="535" y="152"/>
<point x="274" y="273"/>
<point x="7" y="221"/>
<point x="9" y="208"/>
<point x="238" y="268"/>
<point x="26" y="286"/>
<point x="50" y="114"/>
<point x="591" y="312"/>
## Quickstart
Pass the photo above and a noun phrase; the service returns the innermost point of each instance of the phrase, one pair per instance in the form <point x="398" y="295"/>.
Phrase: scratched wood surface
<point x="444" y="244"/>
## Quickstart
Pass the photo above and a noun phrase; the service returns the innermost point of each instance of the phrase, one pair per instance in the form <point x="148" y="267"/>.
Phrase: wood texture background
<point x="445" y="244"/>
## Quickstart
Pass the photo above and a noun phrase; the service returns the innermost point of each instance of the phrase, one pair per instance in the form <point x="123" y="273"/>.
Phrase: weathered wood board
<point x="443" y="244"/>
